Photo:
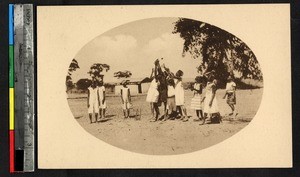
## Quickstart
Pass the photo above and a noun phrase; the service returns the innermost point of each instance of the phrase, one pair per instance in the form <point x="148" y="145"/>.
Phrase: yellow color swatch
<point x="11" y="109"/>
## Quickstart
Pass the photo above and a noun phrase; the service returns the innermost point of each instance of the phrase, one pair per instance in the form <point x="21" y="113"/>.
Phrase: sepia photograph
<point x="160" y="86"/>
<point x="164" y="86"/>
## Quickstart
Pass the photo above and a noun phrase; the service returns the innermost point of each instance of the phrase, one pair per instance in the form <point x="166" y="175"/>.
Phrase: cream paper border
<point x="63" y="30"/>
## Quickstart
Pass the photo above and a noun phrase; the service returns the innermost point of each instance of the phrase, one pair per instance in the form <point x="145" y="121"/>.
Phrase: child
<point x="163" y="86"/>
<point x="171" y="105"/>
<point x="231" y="96"/>
<point x="197" y="99"/>
<point x="93" y="101"/>
<point x="102" y="101"/>
<point x="210" y="101"/>
<point x="179" y="94"/>
<point x="126" y="99"/>
<point x="152" y="95"/>
<point x="155" y="97"/>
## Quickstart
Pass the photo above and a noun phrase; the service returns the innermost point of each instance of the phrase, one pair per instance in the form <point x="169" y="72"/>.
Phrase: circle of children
<point x="166" y="88"/>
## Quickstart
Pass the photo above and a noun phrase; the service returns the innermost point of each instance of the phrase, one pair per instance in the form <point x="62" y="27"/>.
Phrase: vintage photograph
<point x="161" y="86"/>
<point x="164" y="86"/>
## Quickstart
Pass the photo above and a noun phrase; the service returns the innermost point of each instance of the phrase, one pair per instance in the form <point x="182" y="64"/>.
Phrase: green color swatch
<point x="11" y="66"/>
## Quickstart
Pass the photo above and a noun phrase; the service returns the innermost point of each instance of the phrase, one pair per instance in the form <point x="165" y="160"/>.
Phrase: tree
<point x="73" y="67"/>
<point x="96" y="70"/>
<point x="83" y="84"/>
<point x="122" y="74"/>
<point x="69" y="82"/>
<point x="217" y="50"/>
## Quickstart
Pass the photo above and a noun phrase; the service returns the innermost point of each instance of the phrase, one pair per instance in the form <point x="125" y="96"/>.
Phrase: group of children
<point x="97" y="102"/>
<point x="167" y="89"/>
<point x="207" y="107"/>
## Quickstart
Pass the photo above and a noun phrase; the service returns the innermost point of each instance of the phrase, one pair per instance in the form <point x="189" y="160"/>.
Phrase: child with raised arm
<point x="152" y="94"/>
<point x="163" y="86"/>
<point x="126" y="99"/>
<point x="93" y="101"/>
<point x="155" y="98"/>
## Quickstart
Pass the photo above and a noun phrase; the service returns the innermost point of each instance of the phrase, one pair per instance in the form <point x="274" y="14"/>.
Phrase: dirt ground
<point x="169" y="137"/>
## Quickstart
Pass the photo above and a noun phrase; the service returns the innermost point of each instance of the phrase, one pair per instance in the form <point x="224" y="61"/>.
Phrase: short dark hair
<point x="100" y="83"/>
<point x="124" y="82"/>
<point x="230" y="78"/>
<point x="179" y="73"/>
<point x="199" y="79"/>
<point x="93" y="83"/>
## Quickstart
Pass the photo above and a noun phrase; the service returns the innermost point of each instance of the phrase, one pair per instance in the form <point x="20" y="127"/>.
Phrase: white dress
<point x="196" y="100"/>
<point x="230" y="86"/>
<point x="93" y="101"/>
<point x="125" y="96"/>
<point x="101" y="91"/>
<point x="179" y="93"/>
<point x="152" y="95"/>
<point x="209" y="93"/>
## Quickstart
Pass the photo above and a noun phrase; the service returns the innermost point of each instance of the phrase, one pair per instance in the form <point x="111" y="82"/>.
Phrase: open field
<point x="171" y="136"/>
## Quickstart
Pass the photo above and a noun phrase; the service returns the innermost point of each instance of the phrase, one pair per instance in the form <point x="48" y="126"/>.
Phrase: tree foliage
<point x="83" y="84"/>
<point x="122" y="74"/>
<point x="217" y="50"/>
<point x="69" y="82"/>
<point x="72" y="67"/>
<point x="96" y="69"/>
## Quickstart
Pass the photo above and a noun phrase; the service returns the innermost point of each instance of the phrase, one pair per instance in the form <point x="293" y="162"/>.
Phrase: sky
<point x="134" y="47"/>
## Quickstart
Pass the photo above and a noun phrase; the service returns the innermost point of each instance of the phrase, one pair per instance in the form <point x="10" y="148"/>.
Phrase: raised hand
<point x="156" y="62"/>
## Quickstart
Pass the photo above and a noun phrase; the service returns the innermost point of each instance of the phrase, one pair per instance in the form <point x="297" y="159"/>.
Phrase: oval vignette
<point x="127" y="53"/>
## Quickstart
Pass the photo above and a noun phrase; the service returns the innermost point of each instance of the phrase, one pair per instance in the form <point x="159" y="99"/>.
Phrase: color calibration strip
<point x="21" y="88"/>
<point x="11" y="89"/>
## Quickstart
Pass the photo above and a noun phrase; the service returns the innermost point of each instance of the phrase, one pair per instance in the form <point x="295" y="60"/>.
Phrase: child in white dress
<point x="171" y="105"/>
<point x="196" y="102"/>
<point x="210" y="102"/>
<point x="155" y="98"/>
<point x="126" y="99"/>
<point x="93" y="101"/>
<point x="179" y="94"/>
<point x="152" y="94"/>
<point x="102" y="101"/>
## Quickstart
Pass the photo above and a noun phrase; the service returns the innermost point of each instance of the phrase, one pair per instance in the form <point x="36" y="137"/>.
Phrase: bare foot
<point x="153" y="120"/>
<point x="197" y="120"/>
<point x="185" y="119"/>
<point x="203" y="122"/>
